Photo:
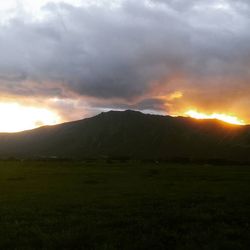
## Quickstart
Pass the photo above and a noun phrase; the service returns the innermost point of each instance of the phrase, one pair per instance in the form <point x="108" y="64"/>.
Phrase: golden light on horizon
<point x="15" y="117"/>
<point x="219" y="116"/>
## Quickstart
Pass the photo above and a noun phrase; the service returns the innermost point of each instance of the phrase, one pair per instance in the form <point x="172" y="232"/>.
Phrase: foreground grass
<point x="67" y="205"/>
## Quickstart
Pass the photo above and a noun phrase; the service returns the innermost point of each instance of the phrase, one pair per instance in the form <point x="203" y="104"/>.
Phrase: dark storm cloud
<point x="97" y="51"/>
<point x="125" y="52"/>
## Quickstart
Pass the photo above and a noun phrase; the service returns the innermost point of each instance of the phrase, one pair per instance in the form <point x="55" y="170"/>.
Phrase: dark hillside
<point x="134" y="135"/>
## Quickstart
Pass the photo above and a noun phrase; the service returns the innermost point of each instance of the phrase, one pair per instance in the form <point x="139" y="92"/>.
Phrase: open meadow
<point x="97" y="205"/>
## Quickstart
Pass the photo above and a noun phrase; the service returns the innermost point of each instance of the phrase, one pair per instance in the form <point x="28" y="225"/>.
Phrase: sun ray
<point x="219" y="116"/>
<point x="15" y="117"/>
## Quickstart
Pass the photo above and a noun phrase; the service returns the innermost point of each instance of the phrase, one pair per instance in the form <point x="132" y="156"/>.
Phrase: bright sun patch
<point x="222" y="117"/>
<point x="15" y="117"/>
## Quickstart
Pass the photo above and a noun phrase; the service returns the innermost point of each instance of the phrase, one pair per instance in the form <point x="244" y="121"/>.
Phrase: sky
<point x="66" y="60"/>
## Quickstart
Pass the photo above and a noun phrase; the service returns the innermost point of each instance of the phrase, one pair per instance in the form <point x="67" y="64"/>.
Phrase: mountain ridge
<point x="131" y="134"/>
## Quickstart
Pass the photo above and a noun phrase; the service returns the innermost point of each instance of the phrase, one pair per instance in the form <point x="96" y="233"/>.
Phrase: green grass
<point x="70" y="205"/>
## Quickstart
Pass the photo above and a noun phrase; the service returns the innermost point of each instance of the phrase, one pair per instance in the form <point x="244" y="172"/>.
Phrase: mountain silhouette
<point x="133" y="135"/>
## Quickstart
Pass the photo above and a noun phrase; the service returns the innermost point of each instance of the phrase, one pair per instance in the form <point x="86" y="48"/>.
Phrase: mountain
<point x="131" y="134"/>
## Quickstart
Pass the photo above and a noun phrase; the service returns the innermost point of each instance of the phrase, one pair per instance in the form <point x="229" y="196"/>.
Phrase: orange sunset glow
<point x="219" y="116"/>
<point x="15" y="117"/>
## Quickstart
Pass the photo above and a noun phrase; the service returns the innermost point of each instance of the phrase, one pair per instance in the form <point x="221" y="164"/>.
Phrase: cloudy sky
<point x="77" y="58"/>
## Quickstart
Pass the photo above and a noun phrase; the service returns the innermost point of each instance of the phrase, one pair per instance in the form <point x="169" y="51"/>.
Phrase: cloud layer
<point x="130" y="54"/>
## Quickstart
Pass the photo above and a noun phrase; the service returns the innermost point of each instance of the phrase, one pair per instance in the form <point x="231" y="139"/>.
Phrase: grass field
<point x="73" y="205"/>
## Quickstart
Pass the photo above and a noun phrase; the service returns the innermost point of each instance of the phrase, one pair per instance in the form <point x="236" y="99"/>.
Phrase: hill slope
<point x="134" y="135"/>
